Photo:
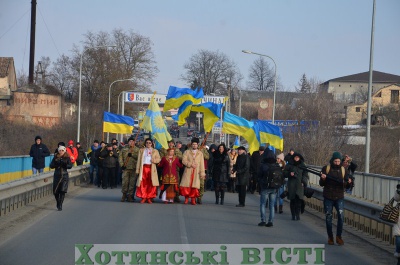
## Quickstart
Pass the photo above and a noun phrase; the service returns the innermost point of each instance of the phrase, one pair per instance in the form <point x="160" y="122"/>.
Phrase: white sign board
<point x="134" y="97"/>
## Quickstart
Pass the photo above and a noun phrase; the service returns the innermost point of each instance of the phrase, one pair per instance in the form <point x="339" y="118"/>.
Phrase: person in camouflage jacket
<point x="127" y="160"/>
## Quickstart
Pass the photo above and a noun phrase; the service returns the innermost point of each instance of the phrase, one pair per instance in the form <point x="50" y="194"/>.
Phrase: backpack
<point x="275" y="177"/>
<point x="328" y="168"/>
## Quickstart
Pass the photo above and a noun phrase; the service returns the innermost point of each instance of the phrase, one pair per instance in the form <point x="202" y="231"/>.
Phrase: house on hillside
<point x="353" y="89"/>
<point x="385" y="102"/>
<point x="8" y="80"/>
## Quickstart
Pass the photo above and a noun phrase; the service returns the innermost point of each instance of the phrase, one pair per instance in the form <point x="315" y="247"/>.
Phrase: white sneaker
<point x="397" y="255"/>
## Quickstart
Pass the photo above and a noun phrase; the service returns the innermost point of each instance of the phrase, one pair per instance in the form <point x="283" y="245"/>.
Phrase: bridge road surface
<point x="39" y="234"/>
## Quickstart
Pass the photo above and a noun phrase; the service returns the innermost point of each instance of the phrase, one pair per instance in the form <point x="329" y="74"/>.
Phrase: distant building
<point x="34" y="104"/>
<point x="384" y="100"/>
<point x="354" y="88"/>
<point x="8" y="80"/>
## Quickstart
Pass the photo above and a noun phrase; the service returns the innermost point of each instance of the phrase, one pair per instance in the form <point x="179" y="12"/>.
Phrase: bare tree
<point x="261" y="76"/>
<point x="61" y="76"/>
<point x="22" y="78"/>
<point x="207" y="68"/>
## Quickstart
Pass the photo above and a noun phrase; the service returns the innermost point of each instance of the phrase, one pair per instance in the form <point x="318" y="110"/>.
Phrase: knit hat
<point x="281" y="156"/>
<point x="70" y="142"/>
<point x="336" y="155"/>
<point x="61" y="148"/>
<point x="38" y="137"/>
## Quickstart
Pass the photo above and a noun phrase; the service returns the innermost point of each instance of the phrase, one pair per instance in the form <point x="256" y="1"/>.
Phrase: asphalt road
<point x="39" y="234"/>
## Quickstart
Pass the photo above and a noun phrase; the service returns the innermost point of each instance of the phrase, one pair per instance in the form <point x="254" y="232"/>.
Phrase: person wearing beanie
<point x="93" y="162"/>
<point x="193" y="160"/>
<point x="280" y="159"/>
<point x="38" y="153"/>
<point x="242" y="171"/>
<point x="61" y="162"/>
<point x="334" y="179"/>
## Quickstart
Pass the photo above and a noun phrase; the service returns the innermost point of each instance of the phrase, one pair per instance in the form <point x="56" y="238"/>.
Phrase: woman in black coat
<point x="61" y="162"/>
<point x="220" y="172"/>
<point x="297" y="180"/>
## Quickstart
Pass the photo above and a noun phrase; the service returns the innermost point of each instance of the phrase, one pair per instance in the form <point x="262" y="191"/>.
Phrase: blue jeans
<point x="279" y="200"/>
<point x="93" y="168"/>
<point x="271" y="193"/>
<point x="328" y="209"/>
<point x="397" y="243"/>
<point x="36" y="170"/>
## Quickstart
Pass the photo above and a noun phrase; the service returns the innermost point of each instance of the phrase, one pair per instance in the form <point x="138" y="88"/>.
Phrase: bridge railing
<point x="18" y="193"/>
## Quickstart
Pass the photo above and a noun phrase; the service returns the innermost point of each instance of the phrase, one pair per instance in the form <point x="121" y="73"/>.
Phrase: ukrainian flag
<point x="177" y="96"/>
<point x="183" y="112"/>
<point x="236" y="144"/>
<point x="154" y="123"/>
<point x="115" y="123"/>
<point x="239" y="126"/>
<point x="271" y="134"/>
<point x="212" y="113"/>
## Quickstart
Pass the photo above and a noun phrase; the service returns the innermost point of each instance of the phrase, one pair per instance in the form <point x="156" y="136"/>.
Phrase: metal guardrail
<point x="18" y="193"/>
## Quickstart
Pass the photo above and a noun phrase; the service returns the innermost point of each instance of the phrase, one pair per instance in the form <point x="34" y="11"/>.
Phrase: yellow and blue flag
<point x="183" y="112"/>
<point x="270" y="133"/>
<point x="236" y="144"/>
<point x="212" y="113"/>
<point x="239" y="126"/>
<point x="154" y="123"/>
<point x="176" y="96"/>
<point x="115" y="123"/>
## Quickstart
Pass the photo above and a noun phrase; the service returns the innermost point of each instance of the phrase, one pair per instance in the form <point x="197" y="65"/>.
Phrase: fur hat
<point x="61" y="144"/>
<point x="61" y="148"/>
<point x="109" y="145"/>
<point x="195" y="140"/>
<point x="281" y="156"/>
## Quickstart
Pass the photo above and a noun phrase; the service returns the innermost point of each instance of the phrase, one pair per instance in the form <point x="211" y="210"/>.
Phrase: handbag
<point x="308" y="192"/>
<point x="390" y="213"/>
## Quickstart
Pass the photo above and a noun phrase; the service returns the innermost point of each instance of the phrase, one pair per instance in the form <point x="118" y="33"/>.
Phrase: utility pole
<point x="32" y="44"/>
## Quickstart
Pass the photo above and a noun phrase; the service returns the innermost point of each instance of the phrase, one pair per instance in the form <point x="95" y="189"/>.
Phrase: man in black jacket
<point x="242" y="170"/>
<point x="256" y="158"/>
<point x="38" y="153"/>
<point x="81" y="154"/>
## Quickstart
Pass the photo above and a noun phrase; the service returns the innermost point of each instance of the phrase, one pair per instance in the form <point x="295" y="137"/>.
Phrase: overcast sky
<point x="323" y="39"/>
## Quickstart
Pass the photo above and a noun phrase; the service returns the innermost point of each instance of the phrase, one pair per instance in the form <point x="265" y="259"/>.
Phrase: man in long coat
<point x="193" y="159"/>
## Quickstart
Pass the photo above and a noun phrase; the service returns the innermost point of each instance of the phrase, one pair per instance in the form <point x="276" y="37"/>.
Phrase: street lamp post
<point x="109" y="98"/>
<point x="273" y="108"/>
<point x="228" y="106"/>
<point x="78" y="134"/>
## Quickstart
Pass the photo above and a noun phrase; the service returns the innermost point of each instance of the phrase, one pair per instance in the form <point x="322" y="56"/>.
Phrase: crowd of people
<point x="145" y="172"/>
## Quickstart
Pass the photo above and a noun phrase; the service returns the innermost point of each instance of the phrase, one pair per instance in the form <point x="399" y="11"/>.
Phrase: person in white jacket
<point x="396" y="227"/>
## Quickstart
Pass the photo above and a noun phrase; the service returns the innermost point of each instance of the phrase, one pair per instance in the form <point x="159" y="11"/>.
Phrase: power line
<point x="55" y="46"/>
<point x="14" y="24"/>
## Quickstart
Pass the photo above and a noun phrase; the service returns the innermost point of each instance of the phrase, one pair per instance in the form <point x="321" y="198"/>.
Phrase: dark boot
<point x="222" y="197"/>
<point x="216" y="196"/>
<point x="292" y="209"/>
<point x="276" y="208"/>
<point x="123" y="197"/>
<point x="62" y="196"/>
<point x="57" y="200"/>
<point x="280" y="208"/>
